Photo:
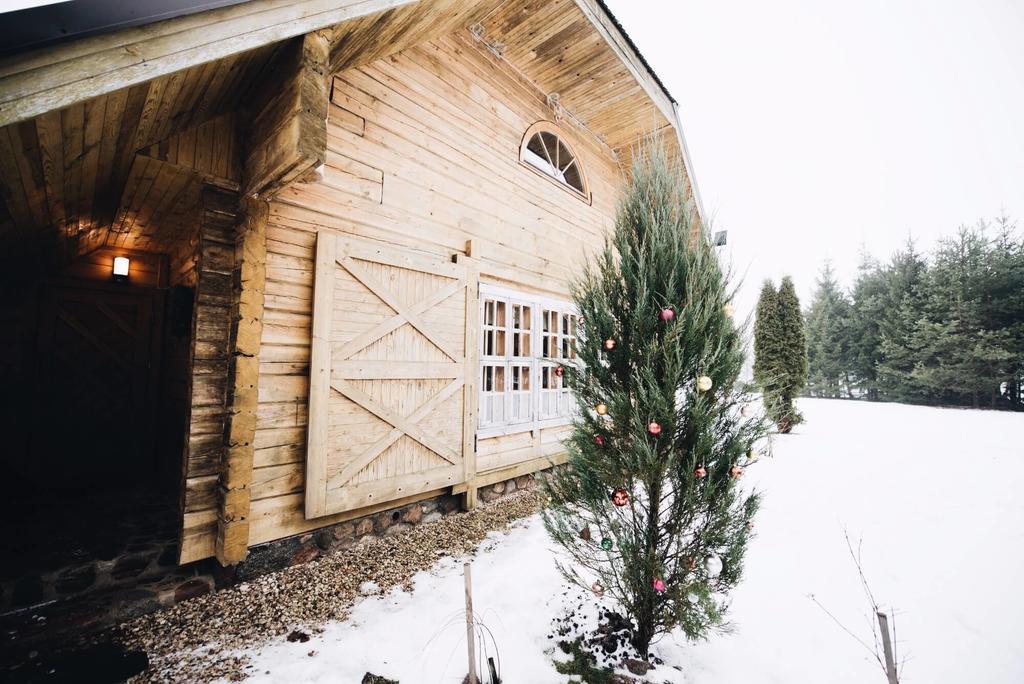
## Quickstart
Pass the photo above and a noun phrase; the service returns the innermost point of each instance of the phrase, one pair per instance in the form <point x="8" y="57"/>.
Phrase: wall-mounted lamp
<point x="121" y="268"/>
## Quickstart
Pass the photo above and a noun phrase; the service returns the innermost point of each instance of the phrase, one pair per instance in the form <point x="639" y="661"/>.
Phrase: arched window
<point x="544" y="150"/>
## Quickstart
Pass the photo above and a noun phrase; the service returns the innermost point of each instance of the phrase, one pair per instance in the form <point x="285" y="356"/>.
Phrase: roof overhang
<point x="46" y="79"/>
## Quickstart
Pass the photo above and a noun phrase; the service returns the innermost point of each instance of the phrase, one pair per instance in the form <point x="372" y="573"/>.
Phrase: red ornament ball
<point x="735" y="472"/>
<point x="667" y="315"/>
<point x="559" y="371"/>
<point x="620" y="497"/>
<point x="700" y="472"/>
<point x="599" y="440"/>
<point x="654" y="428"/>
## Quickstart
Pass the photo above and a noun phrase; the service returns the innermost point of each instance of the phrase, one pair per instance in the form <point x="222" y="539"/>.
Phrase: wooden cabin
<point x="286" y="266"/>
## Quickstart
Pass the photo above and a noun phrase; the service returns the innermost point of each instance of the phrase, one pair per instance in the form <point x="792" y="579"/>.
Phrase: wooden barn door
<point x="388" y="389"/>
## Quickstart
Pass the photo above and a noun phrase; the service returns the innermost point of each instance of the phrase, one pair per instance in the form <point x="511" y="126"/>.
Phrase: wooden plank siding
<point x="422" y="153"/>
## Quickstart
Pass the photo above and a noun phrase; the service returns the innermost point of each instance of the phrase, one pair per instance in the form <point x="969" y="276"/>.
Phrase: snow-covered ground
<point x="935" y="494"/>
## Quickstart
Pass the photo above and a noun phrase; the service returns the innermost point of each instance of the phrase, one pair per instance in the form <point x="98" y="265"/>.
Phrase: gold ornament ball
<point x="729" y="310"/>
<point x="753" y="456"/>
<point x="744" y="411"/>
<point x="704" y="383"/>
<point x="609" y="344"/>
<point x="602" y="409"/>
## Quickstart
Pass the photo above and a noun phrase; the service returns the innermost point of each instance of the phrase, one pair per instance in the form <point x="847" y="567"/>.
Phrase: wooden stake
<point x="890" y="664"/>
<point x="470" y="641"/>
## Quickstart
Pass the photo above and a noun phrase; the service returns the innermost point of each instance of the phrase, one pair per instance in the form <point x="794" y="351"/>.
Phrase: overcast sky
<point x="818" y="126"/>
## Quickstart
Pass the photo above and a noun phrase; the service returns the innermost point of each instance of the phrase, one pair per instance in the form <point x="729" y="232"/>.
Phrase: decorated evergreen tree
<point x="649" y="506"/>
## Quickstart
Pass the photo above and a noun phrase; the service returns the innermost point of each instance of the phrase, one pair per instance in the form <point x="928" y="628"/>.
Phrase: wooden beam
<point x="317" y="440"/>
<point x="685" y="153"/>
<point x="53" y="78"/>
<point x="470" y="394"/>
<point x="501" y="474"/>
<point x="287" y="136"/>
<point x="247" y="329"/>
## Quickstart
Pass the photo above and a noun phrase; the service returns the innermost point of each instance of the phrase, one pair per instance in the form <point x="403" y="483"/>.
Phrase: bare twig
<point x="883" y="635"/>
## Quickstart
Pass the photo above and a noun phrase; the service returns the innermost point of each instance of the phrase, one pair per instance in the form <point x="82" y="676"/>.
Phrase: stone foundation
<point x="144" y="577"/>
<point x="282" y="553"/>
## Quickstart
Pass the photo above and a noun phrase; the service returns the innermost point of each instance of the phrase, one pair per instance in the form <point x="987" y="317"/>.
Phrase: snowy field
<point x="935" y="494"/>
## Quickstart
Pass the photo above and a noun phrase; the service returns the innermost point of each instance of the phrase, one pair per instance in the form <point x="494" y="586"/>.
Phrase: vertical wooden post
<point x="469" y="393"/>
<point x="470" y="641"/>
<point x="317" y="438"/>
<point x="890" y="663"/>
<point x="232" y="542"/>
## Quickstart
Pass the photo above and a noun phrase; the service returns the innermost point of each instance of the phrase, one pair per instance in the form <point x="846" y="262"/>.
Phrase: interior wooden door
<point x="96" y="366"/>
<point x="388" y="390"/>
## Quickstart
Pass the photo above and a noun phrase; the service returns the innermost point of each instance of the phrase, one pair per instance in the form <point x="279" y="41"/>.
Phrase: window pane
<point x="551" y="147"/>
<point x="572" y="177"/>
<point x="536" y="146"/>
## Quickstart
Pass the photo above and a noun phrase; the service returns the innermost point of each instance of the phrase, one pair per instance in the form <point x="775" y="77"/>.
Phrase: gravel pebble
<point x="198" y="640"/>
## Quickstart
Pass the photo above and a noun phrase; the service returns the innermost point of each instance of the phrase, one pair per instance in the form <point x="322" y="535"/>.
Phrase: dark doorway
<point x="97" y="375"/>
<point x="92" y="493"/>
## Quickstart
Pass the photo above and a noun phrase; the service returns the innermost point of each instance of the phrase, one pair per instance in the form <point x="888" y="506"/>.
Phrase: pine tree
<point x="904" y="307"/>
<point x="863" y="333"/>
<point x="828" y="339"/>
<point x="792" y="360"/>
<point x="649" y="501"/>
<point x="780" y="352"/>
<point x="767" y="339"/>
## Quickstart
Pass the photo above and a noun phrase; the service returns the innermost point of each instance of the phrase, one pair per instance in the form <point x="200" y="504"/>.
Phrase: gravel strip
<point x="198" y="640"/>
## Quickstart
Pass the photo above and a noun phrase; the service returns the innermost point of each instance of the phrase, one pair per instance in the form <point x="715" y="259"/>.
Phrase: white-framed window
<point x="524" y="339"/>
<point x="546" y="150"/>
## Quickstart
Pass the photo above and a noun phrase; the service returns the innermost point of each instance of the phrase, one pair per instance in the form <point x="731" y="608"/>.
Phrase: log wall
<point x="422" y="152"/>
<point x="210" y="358"/>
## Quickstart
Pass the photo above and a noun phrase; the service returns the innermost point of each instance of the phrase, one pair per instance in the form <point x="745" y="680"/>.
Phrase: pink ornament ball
<point x="667" y="315"/>
<point x="659" y="585"/>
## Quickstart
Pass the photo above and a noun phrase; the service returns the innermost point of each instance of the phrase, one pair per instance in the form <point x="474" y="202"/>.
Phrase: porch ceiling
<point x="62" y="173"/>
<point x="65" y="175"/>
